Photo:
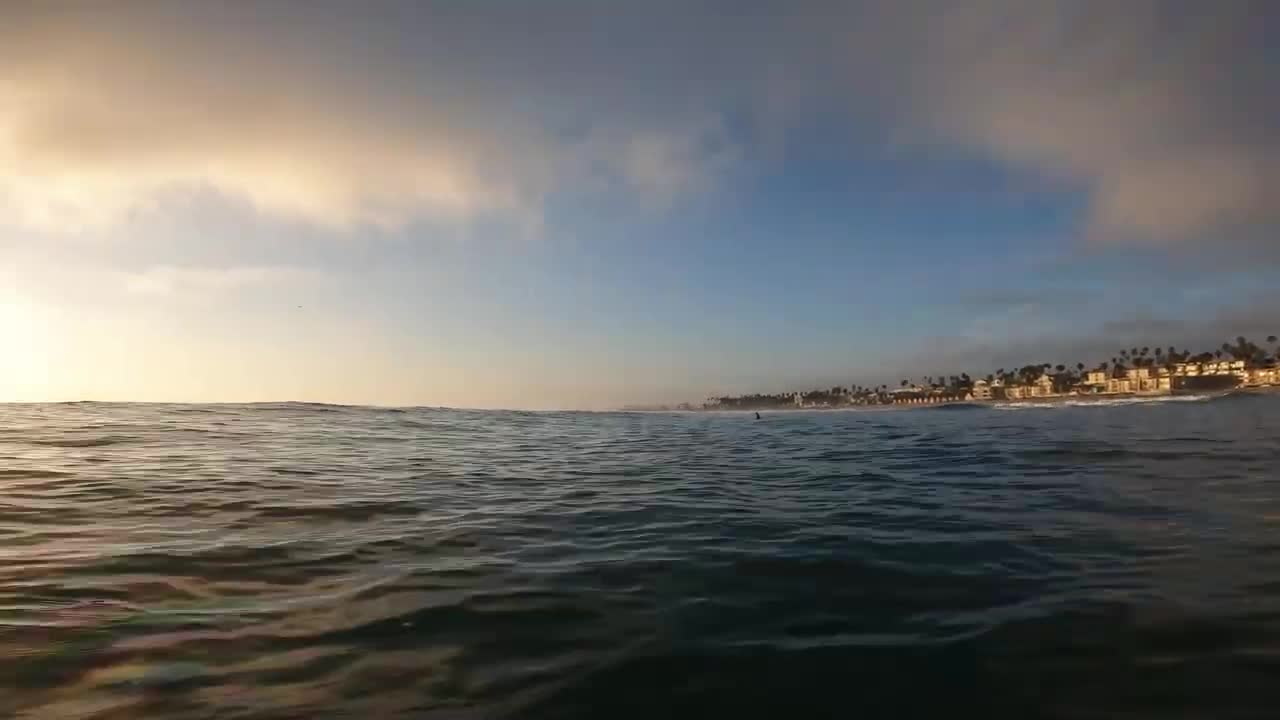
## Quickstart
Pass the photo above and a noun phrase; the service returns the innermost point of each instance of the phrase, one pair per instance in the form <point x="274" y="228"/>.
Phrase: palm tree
<point x="1243" y="349"/>
<point x="904" y="383"/>
<point x="1079" y="367"/>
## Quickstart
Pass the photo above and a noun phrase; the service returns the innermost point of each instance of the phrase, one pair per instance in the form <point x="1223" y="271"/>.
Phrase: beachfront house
<point x="1211" y="376"/>
<point x="1219" y="367"/>
<point x="1119" y="385"/>
<point x="1142" y="380"/>
<point x="1264" y="376"/>
<point x="1043" y="387"/>
<point x="1095" y="381"/>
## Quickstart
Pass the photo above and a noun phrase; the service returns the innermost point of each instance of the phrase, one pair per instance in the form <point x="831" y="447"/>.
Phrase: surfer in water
<point x="757" y="415"/>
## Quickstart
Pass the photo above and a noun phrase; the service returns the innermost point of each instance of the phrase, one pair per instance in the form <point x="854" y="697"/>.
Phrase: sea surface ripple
<point x="316" y="561"/>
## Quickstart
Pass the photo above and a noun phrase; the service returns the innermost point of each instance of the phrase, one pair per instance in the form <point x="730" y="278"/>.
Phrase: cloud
<point x="76" y="147"/>
<point x="324" y="116"/>
<point x="1025" y="335"/>
<point x="167" y="281"/>
<point x="665" y="166"/>
<point x="1164" y="113"/>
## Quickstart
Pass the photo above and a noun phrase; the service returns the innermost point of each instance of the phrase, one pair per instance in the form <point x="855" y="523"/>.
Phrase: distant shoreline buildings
<point x="1132" y="372"/>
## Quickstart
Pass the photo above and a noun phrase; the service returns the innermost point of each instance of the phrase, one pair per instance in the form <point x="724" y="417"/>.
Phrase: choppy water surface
<point x="295" y="561"/>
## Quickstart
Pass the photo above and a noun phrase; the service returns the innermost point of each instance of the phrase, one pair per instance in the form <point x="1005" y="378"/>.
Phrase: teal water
<point x="310" y="561"/>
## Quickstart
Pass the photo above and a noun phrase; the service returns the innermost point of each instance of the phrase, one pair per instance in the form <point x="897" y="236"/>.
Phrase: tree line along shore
<point x="1131" y="371"/>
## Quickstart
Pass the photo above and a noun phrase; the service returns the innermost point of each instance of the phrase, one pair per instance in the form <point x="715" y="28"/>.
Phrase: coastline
<point x="1133" y="375"/>
<point x="1075" y="400"/>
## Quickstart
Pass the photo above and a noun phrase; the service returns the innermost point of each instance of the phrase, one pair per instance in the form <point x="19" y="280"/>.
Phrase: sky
<point x="590" y="204"/>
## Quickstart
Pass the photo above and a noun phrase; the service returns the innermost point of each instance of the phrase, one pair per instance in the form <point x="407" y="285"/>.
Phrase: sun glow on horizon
<point x="25" y="355"/>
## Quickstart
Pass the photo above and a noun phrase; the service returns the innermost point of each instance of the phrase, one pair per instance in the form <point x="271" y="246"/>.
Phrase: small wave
<point x="342" y="511"/>
<point x="31" y="474"/>
<point x="1105" y="402"/>
<point x="85" y="442"/>
<point x="599" y="565"/>
<point x="314" y="407"/>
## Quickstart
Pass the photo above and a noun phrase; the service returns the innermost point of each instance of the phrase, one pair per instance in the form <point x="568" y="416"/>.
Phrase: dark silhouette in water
<point x="757" y="416"/>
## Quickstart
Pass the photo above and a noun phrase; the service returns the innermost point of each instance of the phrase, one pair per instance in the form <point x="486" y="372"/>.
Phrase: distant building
<point x="1140" y="380"/>
<point x="1095" y="381"/>
<point x="1235" y="367"/>
<point x="1119" y="385"/>
<point x="925" y="397"/>
<point x="1135" y="380"/>
<point x="1043" y="387"/>
<point x="1040" y="387"/>
<point x="1186" y="369"/>
<point x="1215" y="375"/>
<point x="982" y="390"/>
<point x="1264" y="376"/>
<point x="1215" y="367"/>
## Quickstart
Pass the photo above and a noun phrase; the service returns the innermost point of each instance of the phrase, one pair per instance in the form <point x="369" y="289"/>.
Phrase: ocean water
<point x="309" y="561"/>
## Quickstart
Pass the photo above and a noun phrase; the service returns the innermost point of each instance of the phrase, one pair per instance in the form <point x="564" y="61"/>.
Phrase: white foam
<point x="1104" y="402"/>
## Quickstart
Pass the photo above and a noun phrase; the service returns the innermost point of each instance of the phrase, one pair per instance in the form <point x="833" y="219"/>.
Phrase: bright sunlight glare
<point x="24" y="348"/>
